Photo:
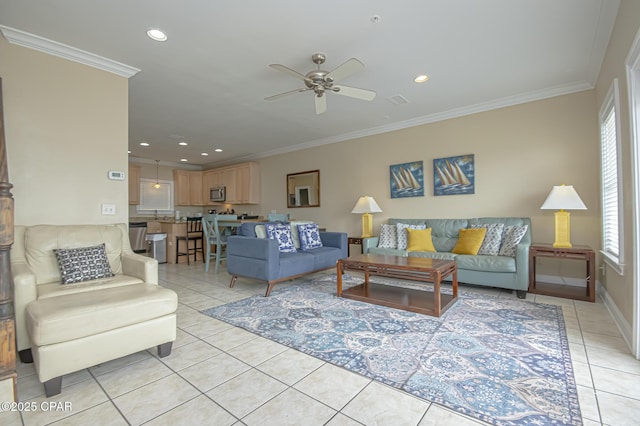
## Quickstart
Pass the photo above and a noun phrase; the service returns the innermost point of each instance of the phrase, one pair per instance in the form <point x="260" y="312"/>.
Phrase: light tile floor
<point x="218" y="374"/>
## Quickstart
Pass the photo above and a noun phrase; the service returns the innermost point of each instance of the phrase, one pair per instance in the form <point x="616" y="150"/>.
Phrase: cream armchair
<point x="63" y="328"/>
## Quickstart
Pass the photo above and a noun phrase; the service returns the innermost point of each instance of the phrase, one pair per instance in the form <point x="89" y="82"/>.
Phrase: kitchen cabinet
<point x="248" y="183"/>
<point x="242" y="182"/>
<point x="195" y="189"/>
<point x="187" y="187"/>
<point x="134" y="185"/>
<point x="229" y="180"/>
<point x="210" y="179"/>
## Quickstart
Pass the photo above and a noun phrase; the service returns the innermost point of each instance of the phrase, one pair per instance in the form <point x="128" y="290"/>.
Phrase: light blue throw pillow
<point x="309" y="236"/>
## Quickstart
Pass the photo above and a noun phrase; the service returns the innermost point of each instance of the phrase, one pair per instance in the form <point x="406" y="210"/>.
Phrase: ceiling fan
<point x="323" y="81"/>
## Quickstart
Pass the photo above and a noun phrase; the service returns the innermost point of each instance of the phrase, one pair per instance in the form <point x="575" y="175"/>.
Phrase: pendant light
<point x="157" y="184"/>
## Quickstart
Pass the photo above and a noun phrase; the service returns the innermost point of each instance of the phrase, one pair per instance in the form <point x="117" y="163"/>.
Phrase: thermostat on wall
<point x="114" y="175"/>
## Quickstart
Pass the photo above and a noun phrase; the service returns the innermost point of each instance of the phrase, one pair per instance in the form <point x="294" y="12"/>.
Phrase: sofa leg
<point x="269" y="287"/>
<point x="233" y="281"/>
<point x="26" y="357"/>
<point x="522" y="294"/>
<point x="164" y="349"/>
<point x="53" y="387"/>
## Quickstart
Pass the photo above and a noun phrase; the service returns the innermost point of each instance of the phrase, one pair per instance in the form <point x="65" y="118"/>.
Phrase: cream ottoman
<point x="76" y="331"/>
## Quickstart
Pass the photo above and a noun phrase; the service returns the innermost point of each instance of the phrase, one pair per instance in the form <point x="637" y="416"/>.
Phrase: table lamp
<point x="366" y="205"/>
<point x="563" y="197"/>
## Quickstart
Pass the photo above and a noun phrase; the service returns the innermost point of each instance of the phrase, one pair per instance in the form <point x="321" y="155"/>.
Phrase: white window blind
<point x="154" y="199"/>
<point x="610" y="168"/>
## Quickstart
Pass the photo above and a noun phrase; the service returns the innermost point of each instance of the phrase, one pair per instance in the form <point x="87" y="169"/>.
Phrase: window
<point x="612" y="235"/>
<point x="154" y="199"/>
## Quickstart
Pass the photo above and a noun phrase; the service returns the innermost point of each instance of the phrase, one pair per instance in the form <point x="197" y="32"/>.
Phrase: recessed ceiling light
<point x="421" y="78"/>
<point x="217" y="150"/>
<point x="183" y="143"/>
<point x="205" y="154"/>
<point x="157" y="35"/>
<point x="183" y="159"/>
<point x="144" y="144"/>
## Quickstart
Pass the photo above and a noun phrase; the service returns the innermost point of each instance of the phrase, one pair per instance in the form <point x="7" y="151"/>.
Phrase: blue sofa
<point x="493" y="271"/>
<point x="259" y="258"/>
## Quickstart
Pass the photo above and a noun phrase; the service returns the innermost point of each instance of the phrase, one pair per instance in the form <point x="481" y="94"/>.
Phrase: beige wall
<point x="66" y="126"/>
<point x="520" y="153"/>
<point x="620" y="287"/>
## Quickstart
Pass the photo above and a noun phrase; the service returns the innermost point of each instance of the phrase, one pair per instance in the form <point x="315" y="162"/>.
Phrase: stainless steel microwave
<point x="218" y="193"/>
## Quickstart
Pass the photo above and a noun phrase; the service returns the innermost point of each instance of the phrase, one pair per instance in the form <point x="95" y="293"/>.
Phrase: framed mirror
<point x="303" y="189"/>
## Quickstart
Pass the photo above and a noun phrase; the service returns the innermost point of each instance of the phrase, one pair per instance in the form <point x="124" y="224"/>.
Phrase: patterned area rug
<point x="503" y="361"/>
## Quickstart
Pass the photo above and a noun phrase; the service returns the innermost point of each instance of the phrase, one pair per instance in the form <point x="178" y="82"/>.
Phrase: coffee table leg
<point x="454" y="283"/>
<point x="339" y="277"/>
<point x="366" y="280"/>
<point x="436" y="294"/>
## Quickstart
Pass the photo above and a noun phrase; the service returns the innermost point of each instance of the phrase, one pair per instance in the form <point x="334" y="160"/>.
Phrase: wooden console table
<point x="583" y="253"/>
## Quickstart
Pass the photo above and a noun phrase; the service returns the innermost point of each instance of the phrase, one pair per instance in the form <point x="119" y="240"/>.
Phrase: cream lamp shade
<point x="366" y="205"/>
<point x="560" y="198"/>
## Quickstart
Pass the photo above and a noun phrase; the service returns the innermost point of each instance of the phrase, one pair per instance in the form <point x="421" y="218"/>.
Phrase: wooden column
<point x="7" y="313"/>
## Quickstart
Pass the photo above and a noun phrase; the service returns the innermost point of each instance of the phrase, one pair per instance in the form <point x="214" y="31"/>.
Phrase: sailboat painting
<point x="407" y="180"/>
<point x="454" y="175"/>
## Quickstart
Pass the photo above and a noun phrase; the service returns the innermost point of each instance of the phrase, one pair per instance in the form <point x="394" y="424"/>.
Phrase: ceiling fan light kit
<point x="320" y="81"/>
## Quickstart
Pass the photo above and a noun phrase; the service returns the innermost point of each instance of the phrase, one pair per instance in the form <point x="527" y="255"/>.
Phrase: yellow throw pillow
<point x="469" y="241"/>
<point x="419" y="240"/>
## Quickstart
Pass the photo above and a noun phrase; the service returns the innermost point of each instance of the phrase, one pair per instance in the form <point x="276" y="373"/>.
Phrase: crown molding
<point x="60" y="50"/>
<point x="140" y="160"/>
<point x="536" y="95"/>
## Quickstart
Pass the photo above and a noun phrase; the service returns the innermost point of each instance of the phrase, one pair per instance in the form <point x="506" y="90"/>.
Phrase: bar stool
<point x="194" y="234"/>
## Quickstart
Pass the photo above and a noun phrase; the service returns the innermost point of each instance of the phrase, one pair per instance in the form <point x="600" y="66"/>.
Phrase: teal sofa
<point x="506" y="272"/>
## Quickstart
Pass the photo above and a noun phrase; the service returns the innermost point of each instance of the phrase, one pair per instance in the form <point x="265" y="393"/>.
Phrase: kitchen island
<point x="175" y="228"/>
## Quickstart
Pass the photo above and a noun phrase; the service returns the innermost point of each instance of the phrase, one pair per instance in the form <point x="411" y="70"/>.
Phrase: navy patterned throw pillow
<point x="83" y="264"/>
<point x="309" y="236"/>
<point x="282" y="234"/>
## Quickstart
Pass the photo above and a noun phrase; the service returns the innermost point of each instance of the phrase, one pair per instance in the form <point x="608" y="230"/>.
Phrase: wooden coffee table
<point x="412" y="268"/>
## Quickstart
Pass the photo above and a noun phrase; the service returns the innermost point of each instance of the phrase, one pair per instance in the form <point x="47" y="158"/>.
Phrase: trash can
<point x="157" y="246"/>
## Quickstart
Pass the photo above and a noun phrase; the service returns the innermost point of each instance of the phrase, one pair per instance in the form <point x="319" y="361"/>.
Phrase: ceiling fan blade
<point x="349" y="67"/>
<point x="280" y="95"/>
<point x="321" y="104"/>
<point x="354" y="92"/>
<point x="289" y="71"/>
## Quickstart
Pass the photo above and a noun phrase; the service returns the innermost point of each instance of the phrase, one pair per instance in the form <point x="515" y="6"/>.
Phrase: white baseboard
<point x="626" y="330"/>
<point x="623" y="326"/>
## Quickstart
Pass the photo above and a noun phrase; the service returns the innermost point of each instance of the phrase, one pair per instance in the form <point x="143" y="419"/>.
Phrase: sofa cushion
<point x="41" y="240"/>
<point x="309" y="234"/>
<point x="434" y="255"/>
<point x="60" y="319"/>
<point x="282" y="234"/>
<point x="324" y="257"/>
<point x="419" y="240"/>
<point x="512" y="236"/>
<point x="444" y="232"/>
<point x="58" y="289"/>
<point x="486" y="263"/>
<point x="387" y="251"/>
<point x="294" y="263"/>
<point x="83" y="264"/>
<point x="388" y="236"/>
<point x="401" y="230"/>
<point x="469" y="241"/>
<point x="492" y="239"/>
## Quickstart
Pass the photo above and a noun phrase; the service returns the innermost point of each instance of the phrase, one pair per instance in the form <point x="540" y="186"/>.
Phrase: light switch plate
<point x="109" y="209"/>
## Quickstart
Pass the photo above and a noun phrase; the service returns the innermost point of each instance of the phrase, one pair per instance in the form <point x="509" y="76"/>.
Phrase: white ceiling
<point x="208" y="82"/>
